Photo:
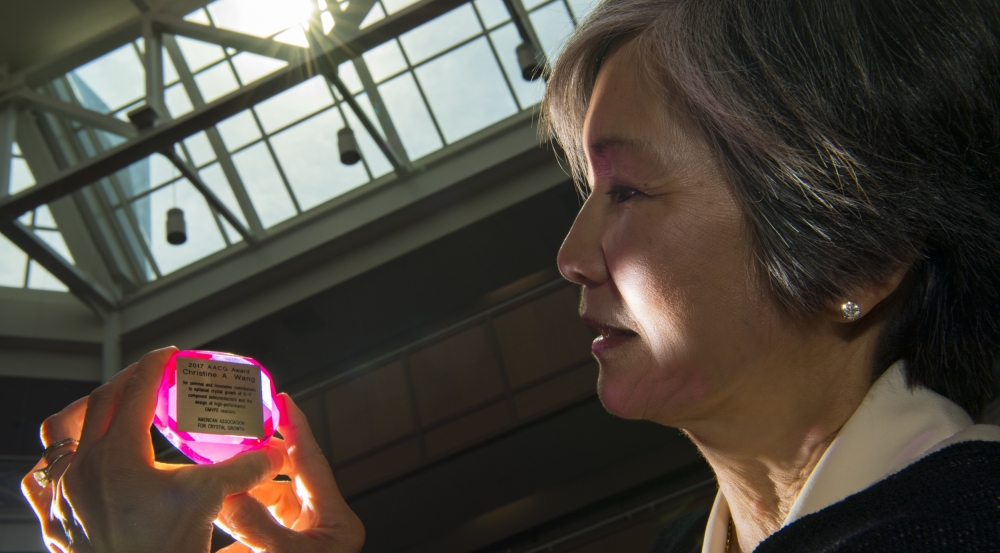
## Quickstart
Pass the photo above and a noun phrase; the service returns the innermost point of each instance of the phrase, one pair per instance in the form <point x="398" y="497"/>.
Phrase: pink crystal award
<point x="214" y="405"/>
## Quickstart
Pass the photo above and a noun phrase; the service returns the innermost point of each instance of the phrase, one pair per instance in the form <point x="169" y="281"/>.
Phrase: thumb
<point x="244" y="471"/>
<point x="248" y="521"/>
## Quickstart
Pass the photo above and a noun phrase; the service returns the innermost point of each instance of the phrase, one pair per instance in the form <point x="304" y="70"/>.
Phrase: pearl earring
<point x="851" y="311"/>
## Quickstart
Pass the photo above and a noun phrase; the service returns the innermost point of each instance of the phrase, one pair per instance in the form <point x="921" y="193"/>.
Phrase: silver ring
<point x="42" y="475"/>
<point x="57" y="444"/>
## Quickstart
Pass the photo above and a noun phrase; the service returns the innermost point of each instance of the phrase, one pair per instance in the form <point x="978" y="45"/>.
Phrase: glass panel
<point x="493" y="12"/>
<point x="161" y="170"/>
<point x="116" y="78"/>
<point x="55" y="241"/>
<point x="41" y="279"/>
<point x="505" y="40"/>
<point x="294" y="104"/>
<point x="199" y="54"/>
<point x="251" y="67"/>
<point x="393" y="6"/>
<point x="263" y="184"/>
<point x="553" y="26"/>
<point x="375" y="15"/>
<point x="349" y="76"/>
<point x="440" y="34"/>
<point x="43" y="218"/>
<point x="203" y="236"/>
<point x="532" y="4"/>
<point x="20" y="175"/>
<point x="296" y="36"/>
<point x="26" y="218"/>
<point x="373" y="156"/>
<point x="261" y="18"/>
<point x="582" y="8"/>
<point x="409" y="115"/>
<point x="13" y="263"/>
<point x="15" y="149"/>
<point x="216" y="82"/>
<point x="177" y="101"/>
<point x="326" y="19"/>
<point x="466" y="90"/>
<point x="308" y="153"/>
<point x="216" y="180"/>
<point x="198" y="16"/>
<point x="385" y="60"/>
<point x="200" y="149"/>
<point x="239" y="130"/>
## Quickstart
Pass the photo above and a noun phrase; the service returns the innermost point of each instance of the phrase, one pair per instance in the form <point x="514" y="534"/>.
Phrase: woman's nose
<point x="581" y="257"/>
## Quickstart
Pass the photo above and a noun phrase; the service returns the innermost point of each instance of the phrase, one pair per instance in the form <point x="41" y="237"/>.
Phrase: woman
<point x="791" y="248"/>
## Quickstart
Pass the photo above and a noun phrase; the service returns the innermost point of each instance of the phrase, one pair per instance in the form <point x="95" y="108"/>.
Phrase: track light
<point x="349" y="154"/>
<point x="527" y="58"/>
<point x="176" y="228"/>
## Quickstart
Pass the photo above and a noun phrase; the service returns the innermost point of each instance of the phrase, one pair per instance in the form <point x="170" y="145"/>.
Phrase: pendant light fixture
<point x="348" y="145"/>
<point x="527" y="58"/>
<point x="176" y="227"/>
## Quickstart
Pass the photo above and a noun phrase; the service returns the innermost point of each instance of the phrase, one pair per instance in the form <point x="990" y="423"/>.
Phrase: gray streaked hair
<point x="860" y="136"/>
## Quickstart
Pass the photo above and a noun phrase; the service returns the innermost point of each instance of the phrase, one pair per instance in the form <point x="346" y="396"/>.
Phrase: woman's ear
<point x="858" y="303"/>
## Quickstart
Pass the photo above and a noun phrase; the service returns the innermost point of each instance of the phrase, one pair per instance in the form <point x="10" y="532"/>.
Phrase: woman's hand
<point x="312" y="516"/>
<point x="111" y="496"/>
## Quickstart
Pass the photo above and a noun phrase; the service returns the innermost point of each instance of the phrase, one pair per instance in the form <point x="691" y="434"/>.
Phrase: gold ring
<point x="42" y="475"/>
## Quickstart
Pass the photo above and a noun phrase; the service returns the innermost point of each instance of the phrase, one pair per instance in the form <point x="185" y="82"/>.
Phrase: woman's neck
<point x="766" y="441"/>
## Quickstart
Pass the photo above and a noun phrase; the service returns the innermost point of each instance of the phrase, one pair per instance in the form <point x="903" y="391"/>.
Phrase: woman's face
<point x="662" y="253"/>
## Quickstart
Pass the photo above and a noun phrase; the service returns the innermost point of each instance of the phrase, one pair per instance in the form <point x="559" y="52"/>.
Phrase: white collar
<point x="893" y="427"/>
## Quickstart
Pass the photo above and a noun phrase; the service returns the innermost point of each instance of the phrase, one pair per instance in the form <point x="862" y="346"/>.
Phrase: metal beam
<point x="77" y="113"/>
<point x="86" y="289"/>
<point x="519" y="16"/>
<point x="162" y="137"/>
<point x="8" y="130"/>
<point x="215" y="139"/>
<point x="191" y="174"/>
<point x="317" y="41"/>
<point x="230" y="39"/>
<point x="391" y="135"/>
<point x="40" y="74"/>
<point x="152" y="60"/>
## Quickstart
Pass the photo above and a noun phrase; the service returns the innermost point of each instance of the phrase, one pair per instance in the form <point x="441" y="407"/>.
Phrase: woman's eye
<point x="622" y="193"/>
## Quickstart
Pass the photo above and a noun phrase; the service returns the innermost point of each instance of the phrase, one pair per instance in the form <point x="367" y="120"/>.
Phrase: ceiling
<point x="32" y="31"/>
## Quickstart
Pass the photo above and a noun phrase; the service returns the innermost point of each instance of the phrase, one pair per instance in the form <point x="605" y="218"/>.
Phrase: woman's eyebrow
<point x="606" y="145"/>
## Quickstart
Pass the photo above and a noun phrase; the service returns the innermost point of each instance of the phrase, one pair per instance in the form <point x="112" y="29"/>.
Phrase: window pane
<point x="263" y="183"/>
<point x="439" y="34"/>
<point x="466" y="90"/>
<point x="203" y="236"/>
<point x="55" y="241"/>
<point x="41" y="279"/>
<point x="13" y="263"/>
<point x="349" y="75"/>
<point x="376" y="14"/>
<point x="410" y="116"/>
<point x="251" y="67"/>
<point x="393" y="6"/>
<point x="199" y="54"/>
<point x="532" y="4"/>
<point x="216" y="82"/>
<point x="505" y="40"/>
<point x="493" y="12"/>
<point x="582" y="8"/>
<point x="20" y="175"/>
<point x="309" y="155"/>
<point x="216" y="180"/>
<point x="177" y="101"/>
<point x="296" y="36"/>
<point x="261" y="18"/>
<point x="116" y="78"/>
<point x="384" y="60"/>
<point x="294" y="104"/>
<point x="200" y="149"/>
<point x="43" y="217"/>
<point x="553" y="26"/>
<point x="161" y="170"/>
<point x="239" y="130"/>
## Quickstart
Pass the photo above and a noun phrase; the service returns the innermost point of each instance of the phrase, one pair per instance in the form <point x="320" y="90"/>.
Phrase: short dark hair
<point x="860" y="136"/>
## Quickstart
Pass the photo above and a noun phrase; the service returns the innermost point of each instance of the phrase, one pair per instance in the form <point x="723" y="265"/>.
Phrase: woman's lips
<point x="611" y="336"/>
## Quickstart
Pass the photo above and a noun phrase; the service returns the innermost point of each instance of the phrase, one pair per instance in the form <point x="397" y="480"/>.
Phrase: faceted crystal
<point x="214" y="445"/>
